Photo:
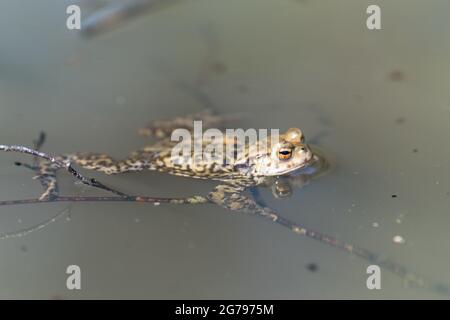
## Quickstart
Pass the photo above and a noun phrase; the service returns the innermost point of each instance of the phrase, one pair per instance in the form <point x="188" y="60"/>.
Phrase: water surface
<point x="377" y="102"/>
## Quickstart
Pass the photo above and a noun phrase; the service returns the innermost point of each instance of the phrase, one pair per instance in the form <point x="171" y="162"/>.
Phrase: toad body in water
<point x="279" y="163"/>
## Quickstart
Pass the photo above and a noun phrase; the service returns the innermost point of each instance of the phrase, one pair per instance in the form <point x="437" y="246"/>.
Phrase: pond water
<point x="377" y="102"/>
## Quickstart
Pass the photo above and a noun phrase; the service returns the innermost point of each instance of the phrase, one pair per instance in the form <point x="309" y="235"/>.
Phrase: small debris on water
<point x="156" y="203"/>
<point x="398" y="239"/>
<point x="394" y="196"/>
<point x="415" y="150"/>
<point x="396" y="75"/>
<point x="375" y="224"/>
<point x="313" y="267"/>
<point x="137" y="220"/>
<point x="400" y="120"/>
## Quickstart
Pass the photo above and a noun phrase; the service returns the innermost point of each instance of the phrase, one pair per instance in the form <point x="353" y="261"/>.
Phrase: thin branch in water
<point x="370" y="257"/>
<point x="24" y="232"/>
<point x="138" y="199"/>
<point x="409" y="278"/>
<point x="25" y="165"/>
<point x="61" y="164"/>
<point x="367" y="255"/>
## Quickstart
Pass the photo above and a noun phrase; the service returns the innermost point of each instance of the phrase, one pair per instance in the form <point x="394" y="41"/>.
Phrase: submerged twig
<point x="395" y="268"/>
<point x="139" y="199"/>
<point x="24" y="232"/>
<point x="61" y="164"/>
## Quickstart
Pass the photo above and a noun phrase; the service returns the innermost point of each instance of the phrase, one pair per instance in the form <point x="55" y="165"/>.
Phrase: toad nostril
<point x="303" y="148"/>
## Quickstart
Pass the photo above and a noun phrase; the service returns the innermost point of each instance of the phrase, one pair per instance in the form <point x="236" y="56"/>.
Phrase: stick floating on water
<point x="61" y="164"/>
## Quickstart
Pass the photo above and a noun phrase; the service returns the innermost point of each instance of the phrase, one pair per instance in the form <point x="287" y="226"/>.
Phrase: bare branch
<point x="61" y="164"/>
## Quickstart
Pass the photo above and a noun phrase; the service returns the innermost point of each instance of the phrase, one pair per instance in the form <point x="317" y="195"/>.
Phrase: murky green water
<point x="376" y="101"/>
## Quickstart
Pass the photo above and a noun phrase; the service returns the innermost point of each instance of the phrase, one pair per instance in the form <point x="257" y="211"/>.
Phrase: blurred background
<point x="376" y="101"/>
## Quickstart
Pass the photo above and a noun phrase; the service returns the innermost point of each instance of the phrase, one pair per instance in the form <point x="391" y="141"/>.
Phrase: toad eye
<point x="284" y="153"/>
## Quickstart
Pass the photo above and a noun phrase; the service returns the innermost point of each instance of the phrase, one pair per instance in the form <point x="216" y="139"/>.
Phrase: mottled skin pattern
<point x="252" y="169"/>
